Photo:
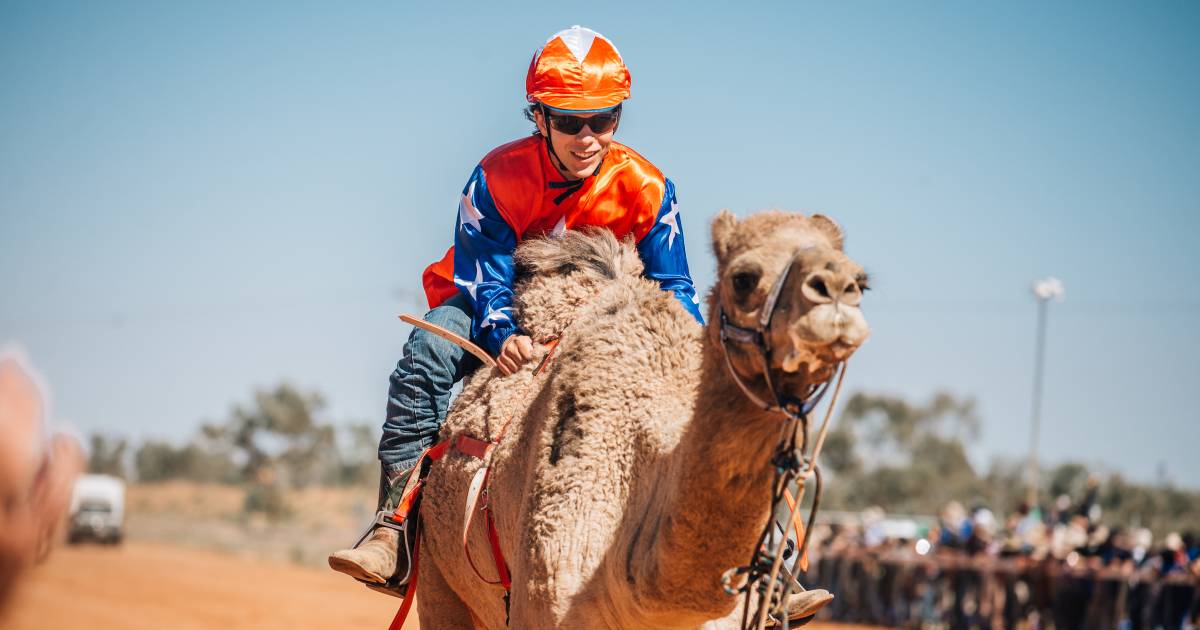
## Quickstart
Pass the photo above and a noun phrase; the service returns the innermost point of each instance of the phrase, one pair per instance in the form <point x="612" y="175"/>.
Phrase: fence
<point x="954" y="590"/>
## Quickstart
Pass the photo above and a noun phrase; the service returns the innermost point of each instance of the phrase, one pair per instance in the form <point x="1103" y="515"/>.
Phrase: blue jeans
<point x="419" y="392"/>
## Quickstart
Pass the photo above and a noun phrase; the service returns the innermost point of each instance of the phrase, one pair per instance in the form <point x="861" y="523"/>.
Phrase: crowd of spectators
<point x="1062" y="568"/>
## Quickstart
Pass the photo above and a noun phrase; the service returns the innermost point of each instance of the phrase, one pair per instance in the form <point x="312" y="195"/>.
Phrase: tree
<point x="156" y="461"/>
<point x="280" y="431"/>
<point x="360" y="459"/>
<point x="197" y="461"/>
<point x="106" y="455"/>
<point x="886" y="451"/>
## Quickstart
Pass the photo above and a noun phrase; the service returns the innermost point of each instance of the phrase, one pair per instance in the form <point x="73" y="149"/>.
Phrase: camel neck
<point x="722" y="475"/>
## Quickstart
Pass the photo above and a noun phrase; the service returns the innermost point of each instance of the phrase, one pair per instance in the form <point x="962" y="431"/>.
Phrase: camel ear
<point x="829" y="228"/>
<point x="722" y="230"/>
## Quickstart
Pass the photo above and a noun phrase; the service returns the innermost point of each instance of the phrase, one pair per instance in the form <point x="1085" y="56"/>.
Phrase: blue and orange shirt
<point x="516" y="193"/>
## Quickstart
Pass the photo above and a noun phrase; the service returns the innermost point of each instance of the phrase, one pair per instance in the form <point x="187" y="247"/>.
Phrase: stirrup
<point x="397" y="584"/>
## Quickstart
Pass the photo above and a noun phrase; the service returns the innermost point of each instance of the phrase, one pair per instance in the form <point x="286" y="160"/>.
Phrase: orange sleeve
<point x="438" y="280"/>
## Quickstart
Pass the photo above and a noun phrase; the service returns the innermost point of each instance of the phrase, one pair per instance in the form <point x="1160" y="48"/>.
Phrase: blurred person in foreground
<point x="37" y="471"/>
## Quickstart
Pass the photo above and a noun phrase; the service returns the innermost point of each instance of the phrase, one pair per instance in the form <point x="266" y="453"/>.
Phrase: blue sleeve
<point x="483" y="263"/>
<point x="664" y="256"/>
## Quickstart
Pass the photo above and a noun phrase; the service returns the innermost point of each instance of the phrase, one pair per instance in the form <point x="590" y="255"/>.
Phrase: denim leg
<point x="419" y="390"/>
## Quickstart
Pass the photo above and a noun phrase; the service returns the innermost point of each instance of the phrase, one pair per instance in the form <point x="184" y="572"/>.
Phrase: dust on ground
<point x="141" y="585"/>
<point x="316" y="521"/>
<point x="194" y="559"/>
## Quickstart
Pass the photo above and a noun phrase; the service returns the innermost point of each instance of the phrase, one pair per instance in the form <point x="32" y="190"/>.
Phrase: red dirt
<point x="142" y="585"/>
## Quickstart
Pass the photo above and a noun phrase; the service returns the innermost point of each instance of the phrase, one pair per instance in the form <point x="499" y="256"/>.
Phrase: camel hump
<point x="594" y="251"/>
<point x="556" y="275"/>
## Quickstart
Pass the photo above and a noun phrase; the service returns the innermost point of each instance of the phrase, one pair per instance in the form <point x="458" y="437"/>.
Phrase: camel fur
<point x="634" y="472"/>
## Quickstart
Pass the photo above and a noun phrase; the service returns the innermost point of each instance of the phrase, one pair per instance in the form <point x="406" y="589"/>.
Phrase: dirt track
<point x="140" y="585"/>
<point x="144" y="585"/>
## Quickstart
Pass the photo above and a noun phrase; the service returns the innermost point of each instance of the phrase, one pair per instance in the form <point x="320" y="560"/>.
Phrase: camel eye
<point x="744" y="282"/>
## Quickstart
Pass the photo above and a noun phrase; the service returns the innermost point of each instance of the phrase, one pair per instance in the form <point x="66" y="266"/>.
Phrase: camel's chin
<point x="839" y="351"/>
<point x="814" y="364"/>
<point x="799" y="383"/>
<point x="805" y="365"/>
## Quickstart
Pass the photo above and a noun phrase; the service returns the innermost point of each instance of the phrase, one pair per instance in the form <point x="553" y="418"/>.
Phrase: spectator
<point x="36" y="473"/>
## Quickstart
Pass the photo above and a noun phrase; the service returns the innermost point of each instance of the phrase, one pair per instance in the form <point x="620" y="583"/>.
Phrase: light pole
<point x="1046" y="289"/>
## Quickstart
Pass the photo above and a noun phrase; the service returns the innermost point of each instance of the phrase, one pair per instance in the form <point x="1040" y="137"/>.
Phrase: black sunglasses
<point x="571" y="125"/>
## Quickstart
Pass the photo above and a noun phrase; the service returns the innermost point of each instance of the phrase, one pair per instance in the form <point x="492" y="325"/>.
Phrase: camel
<point x="634" y="472"/>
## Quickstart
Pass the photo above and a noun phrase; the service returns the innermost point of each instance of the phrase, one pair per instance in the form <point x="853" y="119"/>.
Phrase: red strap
<point x="436" y="451"/>
<point x="433" y="453"/>
<point x="553" y="345"/>
<point x="473" y="446"/>
<point x="406" y="503"/>
<point x="478" y="489"/>
<point x="494" y="539"/>
<point x="410" y="593"/>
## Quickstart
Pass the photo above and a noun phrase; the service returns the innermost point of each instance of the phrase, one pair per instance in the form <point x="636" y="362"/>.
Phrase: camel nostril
<point x="816" y="290"/>
<point x="820" y="287"/>
<point x="851" y="295"/>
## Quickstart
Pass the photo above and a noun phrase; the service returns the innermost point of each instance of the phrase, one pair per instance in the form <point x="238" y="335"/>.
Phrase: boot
<point x="802" y="607"/>
<point x="374" y="560"/>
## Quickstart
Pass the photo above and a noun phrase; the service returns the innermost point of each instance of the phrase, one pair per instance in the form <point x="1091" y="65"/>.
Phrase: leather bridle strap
<point x="791" y="406"/>
<point x="795" y="460"/>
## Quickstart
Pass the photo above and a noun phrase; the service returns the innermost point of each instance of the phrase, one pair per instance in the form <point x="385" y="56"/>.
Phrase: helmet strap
<point x="558" y="163"/>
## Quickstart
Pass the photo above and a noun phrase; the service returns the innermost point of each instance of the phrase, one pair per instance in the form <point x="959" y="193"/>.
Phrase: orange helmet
<point x="577" y="70"/>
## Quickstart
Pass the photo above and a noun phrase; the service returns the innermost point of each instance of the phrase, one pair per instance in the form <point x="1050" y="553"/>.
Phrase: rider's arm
<point x="665" y="257"/>
<point x="483" y="263"/>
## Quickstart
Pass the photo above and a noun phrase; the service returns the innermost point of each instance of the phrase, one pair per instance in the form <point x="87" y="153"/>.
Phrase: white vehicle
<point x="97" y="510"/>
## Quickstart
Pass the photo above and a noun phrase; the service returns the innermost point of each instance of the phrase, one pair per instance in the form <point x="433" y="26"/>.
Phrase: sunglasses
<point x="571" y="125"/>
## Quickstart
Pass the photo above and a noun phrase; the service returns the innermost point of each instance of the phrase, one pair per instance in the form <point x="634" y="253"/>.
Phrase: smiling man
<point x="569" y="174"/>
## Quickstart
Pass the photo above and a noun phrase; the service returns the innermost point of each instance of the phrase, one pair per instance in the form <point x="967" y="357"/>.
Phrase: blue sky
<point x="198" y="199"/>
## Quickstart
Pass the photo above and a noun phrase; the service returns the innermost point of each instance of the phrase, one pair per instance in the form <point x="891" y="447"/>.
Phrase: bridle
<point x="794" y="462"/>
<point x="789" y="405"/>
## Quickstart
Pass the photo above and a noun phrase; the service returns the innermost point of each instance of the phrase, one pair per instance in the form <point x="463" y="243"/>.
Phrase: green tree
<point x="197" y="461"/>
<point x="106" y="455"/>
<point x="905" y="457"/>
<point x="360" y="459"/>
<point x="280" y="431"/>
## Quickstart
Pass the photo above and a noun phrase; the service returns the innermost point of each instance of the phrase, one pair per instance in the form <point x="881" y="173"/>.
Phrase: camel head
<point x="817" y="321"/>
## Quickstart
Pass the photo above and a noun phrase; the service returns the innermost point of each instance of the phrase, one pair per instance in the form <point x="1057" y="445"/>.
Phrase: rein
<point x="795" y="461"/>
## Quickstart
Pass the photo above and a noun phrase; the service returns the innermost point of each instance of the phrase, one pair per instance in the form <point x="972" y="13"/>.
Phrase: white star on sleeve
<point x="469" y="285"/>
<point x="495" y="316"/>
<point x="696" y="299"/>
<point x="467" y="213"/>
<point x="672" y="219"/>
<point x="559" y="228"/>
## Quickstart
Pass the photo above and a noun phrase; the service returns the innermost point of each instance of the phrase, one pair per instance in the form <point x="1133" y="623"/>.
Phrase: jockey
<point x="568" y="174"/>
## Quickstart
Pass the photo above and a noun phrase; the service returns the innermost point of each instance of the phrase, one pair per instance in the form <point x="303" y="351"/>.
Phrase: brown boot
<point x="372" y="561"/>
<point x="375" y="558"/>
<point x="803" y="606"/>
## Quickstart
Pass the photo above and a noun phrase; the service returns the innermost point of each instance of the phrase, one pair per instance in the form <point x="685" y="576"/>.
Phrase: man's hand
<point x="516" y="351"/>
